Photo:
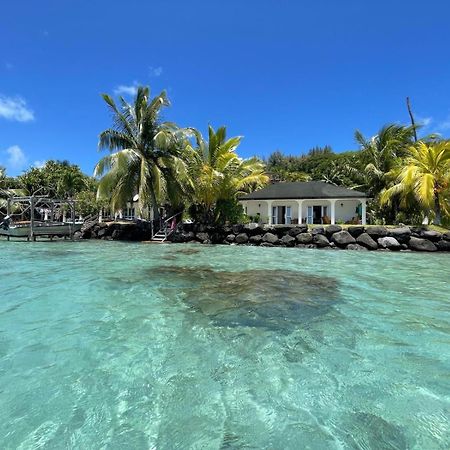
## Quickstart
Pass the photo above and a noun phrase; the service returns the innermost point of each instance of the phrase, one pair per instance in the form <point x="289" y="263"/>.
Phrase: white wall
<point x="343" y="213"/>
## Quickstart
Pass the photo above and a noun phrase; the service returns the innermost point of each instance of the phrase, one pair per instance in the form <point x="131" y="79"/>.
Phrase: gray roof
<point x="303" y="190"/>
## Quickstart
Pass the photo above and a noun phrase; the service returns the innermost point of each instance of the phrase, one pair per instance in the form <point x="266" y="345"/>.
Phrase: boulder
<point x="252" y="229"/>
<point x="446" y="236"/>
<point x="298" y="229"/>
<point x="321" y="241"/>
<point x="288" y="241"/>
<point x="304" y="238"/>
<point x="402" y="234"/>
<point x="377" y="232"/>
<point x="301" y="245"/>
<point x="389" y="242"/>
<point x="241" y="238"/>
<point x="431" y="235"/>
<point x="331" y="229"/>
<point x="101" y="232"/>
<point x="202" y="237"/>
<point x="356" y="231"/>
<point x="255" y="239"/>
<point x="365" y="240"/>
<point x="421" y="245"/>
<point x="343" y="238"/>
<point x="318" y="230"/>
<point x="281" y="230"/>
<point x="267" y="244"/>
<point x="443" y="246"/>
<point x="357" y="247"/>
<point x="237" y="228"/>
<point x="270" y="238"/>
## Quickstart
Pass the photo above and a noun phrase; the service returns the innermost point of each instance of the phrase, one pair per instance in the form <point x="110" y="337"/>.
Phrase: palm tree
<point x="426" y="175"/>
<point x="218" y="174"/>
<point x="381" y="153"/>
<point x="145" y="156"/>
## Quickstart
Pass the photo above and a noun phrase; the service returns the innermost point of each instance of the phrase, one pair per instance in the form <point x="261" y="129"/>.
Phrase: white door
<point x="310" y="216"/>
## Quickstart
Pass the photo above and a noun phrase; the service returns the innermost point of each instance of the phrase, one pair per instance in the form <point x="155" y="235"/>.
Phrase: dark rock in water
<point x="267" y="244"/>
<point x="362" y="430"/>
<point x="241" y="238"/>
<point x="288" y="241"/>
<point x="377" y="232"/>
<point x="231" y="238"/>
<point x="300" y="245"/>
<point x="367" y="241"/>
<point x="343" y="238"/>
<point x="446" y="236"/>
<point x="255" y="239"/>
<point x="356" y="231"/>
<point x="421" y="245"/>
<point x="202" y="237"/>
<point x="302" y="228"/>
<point x="331" y="229"/>
<point x="321" y="241"/>
<point x="443" y="246"/>
<point x="401" y="234"/>
<point x="357" y="247"/>
<point x="389" y="242"/>
<point x="77" y="235"/>
<point x="270" y="238"/>
<point x="189" y="251"/>
<point x="280" y="300"/>
<point x="304" y="238"/>
<point x="318" y="230"/>
<point x="431" y="235"/>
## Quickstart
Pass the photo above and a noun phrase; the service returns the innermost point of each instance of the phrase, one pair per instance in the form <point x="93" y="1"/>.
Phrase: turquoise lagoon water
<point x="130" y="346"/>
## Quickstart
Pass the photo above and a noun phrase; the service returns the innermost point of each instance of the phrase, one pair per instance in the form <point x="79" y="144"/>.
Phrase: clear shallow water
<point x="117" y="346"/>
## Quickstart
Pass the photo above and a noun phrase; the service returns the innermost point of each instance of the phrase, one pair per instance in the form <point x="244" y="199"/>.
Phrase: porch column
<point x="363" y="210"/>
<point x="300" y="215"/>
<point x="269" y="211"/>
<point x="333" y="211"/>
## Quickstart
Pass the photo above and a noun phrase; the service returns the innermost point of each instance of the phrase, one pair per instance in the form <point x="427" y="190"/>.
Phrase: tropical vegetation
<point x="162" y="165"/>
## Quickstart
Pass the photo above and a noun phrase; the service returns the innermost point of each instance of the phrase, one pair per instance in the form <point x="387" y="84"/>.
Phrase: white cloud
<point x="39" y="164"/>
<point x="424" y="121"/>
<point x="130" y="90"/>
<point x="15" y="108"/>
<point x="444" y="125"/>
<point x="16" y="158"/>
<point x="156" y="71"/>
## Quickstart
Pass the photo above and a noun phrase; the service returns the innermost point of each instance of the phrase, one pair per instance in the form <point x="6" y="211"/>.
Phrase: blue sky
<point x="286" y="75"/>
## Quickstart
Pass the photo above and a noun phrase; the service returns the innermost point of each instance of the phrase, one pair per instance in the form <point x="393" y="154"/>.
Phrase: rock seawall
<point x="117" y="231"/>
<point x="332" y="236"/>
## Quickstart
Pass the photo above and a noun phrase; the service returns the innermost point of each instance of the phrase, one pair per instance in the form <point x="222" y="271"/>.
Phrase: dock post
<point x="31" y="236"/>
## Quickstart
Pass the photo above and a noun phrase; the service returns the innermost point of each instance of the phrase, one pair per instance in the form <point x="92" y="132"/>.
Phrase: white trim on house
<point x="302" y="210"/>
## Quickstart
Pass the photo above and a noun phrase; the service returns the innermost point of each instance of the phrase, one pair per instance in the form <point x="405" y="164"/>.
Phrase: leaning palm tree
<point x="381" y="153"/>
<point x="425" y="175"/>
<point x="218" y="174"/>
<point x="145" y="156"/>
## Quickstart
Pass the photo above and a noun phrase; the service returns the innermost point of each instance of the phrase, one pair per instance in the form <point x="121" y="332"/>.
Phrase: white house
<point x="312" y="202"/>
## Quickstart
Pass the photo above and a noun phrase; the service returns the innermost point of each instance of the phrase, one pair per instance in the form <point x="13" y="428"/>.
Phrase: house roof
<point x="303" y="190"/>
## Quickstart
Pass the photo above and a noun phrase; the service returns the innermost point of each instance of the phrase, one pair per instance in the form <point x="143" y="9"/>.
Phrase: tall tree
<point x="145" y="156"/>
<point x="218" y="175"/>
<point x="426" y="174"/>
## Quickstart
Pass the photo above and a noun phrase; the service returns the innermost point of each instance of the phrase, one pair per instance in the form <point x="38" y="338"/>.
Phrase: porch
<point x="309" y="211"/>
